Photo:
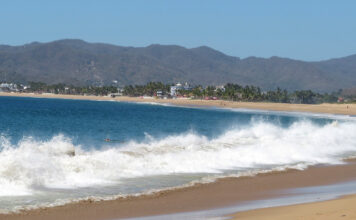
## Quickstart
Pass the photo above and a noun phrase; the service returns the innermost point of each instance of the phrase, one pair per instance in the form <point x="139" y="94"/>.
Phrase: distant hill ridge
<point x="81" y="63"/>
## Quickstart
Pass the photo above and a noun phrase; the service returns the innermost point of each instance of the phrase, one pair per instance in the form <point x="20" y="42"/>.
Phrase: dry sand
<point x="346" y="109"/>
<point x="229" y="191"/>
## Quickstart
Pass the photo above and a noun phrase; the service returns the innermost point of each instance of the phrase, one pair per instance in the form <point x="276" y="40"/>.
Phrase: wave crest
<point x="53" y="164"/>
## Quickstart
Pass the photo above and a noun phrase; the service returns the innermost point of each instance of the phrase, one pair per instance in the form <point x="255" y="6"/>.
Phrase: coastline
<point x="343" y="207"/>
<point x="344" y="109"/>
<point x="222" y="193"/>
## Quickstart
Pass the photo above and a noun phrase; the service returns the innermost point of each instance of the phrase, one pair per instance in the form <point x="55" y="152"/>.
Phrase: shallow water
<point x="291" y="197"/>
<point x="53" y="151"/>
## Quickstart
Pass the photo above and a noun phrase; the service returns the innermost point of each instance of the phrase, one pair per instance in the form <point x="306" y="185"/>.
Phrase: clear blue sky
<point x="300" y="29"/>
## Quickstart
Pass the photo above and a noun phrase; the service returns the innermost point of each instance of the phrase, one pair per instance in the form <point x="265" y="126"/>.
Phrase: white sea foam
<point x="51" y="164"/>
<point x="295" y="114"/>
<point x="157" y="103"/>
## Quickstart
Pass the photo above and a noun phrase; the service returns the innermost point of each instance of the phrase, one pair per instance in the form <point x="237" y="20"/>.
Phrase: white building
<point x="179" y="86"/>
<point x="187" y="86"/>
<point x="159" y="93"/>
<point x="174" y="89"/>
<point x="8" y="87"/>
<point x="222" y="88"/>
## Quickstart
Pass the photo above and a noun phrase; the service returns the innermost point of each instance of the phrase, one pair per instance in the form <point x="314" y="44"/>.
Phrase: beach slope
<point x="342" y="208"/>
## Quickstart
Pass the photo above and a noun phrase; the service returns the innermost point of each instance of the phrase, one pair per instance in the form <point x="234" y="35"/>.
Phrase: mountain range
<point x="78" y="62"/>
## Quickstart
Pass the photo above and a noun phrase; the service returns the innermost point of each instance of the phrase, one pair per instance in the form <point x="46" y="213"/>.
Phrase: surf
<point x="33" y="164"/>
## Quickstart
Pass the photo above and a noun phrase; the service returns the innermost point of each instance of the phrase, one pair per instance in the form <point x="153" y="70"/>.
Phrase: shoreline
<point x="344" y="109"/>
<point x="202" y="196"/>
<point x="341" y="207"/>
<point x="221" y="193"/>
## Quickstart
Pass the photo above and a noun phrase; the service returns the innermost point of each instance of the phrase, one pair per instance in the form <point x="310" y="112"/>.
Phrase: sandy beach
<point x="342" y="208"/>
<point x="345" y="109"/>
<point x="224" y="192"/>
<point x="177" y="110"/>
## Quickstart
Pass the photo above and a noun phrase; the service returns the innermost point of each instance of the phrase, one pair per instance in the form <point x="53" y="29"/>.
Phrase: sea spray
<point x="54" y="151"/>
<point x="51" y="164"/>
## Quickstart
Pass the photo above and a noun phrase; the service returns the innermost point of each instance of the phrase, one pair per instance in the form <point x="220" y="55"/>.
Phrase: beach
<point x="229" y="191"/>
<point x="177" y="110"/>
<point x="345" y="109"/>
<point x="224" y="192"/>
<point x="341" y="208"/>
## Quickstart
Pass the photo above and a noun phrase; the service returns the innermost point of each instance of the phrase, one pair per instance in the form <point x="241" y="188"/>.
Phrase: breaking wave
<point x="58" y="163"/>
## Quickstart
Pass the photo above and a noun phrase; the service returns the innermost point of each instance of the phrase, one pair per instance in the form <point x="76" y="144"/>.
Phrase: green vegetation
<point x="76" y="62"/>
<point x="232" y="92"/>
<point x="69" y="89"/>
<point x="150" y="89"/>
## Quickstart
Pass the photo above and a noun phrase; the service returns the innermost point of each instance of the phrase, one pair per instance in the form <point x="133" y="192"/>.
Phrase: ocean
<point x="55" y="151"/>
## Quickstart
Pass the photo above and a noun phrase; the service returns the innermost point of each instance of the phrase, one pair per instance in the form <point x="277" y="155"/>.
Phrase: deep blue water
<point x="90" y="122"/>
<point x="53" y="150"/>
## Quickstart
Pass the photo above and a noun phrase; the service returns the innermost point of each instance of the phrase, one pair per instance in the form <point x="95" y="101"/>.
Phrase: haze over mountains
<point x="80" y="63"/>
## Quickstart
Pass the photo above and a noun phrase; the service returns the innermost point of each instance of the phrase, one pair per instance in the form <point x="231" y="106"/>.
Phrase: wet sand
<point x="222" y="193"/>
<point x="342" y="208"/>
<point x="346" y="109"/>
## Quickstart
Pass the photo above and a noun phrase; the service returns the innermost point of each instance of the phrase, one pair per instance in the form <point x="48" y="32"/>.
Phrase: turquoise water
<point x="53" y="151"/>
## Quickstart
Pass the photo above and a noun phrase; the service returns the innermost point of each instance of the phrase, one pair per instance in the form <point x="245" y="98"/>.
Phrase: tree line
<point x="61" y="88"/>
<point x="150" y="89"/>
<point x="230" y="91"/>
<point x="234" y="92"/>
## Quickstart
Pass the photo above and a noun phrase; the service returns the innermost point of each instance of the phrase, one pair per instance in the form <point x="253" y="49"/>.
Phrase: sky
<point x="308" y="30"/>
